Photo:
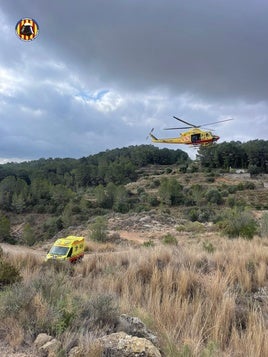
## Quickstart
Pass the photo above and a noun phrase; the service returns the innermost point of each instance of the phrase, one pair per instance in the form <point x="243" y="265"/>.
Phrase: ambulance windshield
<point x="56" y="250"/>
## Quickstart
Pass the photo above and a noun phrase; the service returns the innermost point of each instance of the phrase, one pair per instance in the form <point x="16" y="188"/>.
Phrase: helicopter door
<point x="195" y="138"/>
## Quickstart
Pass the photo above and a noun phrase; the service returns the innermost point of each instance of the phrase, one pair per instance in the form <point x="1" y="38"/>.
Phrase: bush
<point x="149" y="243"/>
<point x="200" y="214"/>
<point x="208" y="247"/>
<point x="99" y="230"/>
<point x="264" y="225"/>
<point x="28" y="235"/>
<point x="237" y="223"/>
<point x="4" y="228"/>
<point x="214" y="196"/>
<point x="8" y="273"/>
<point x="232" y="189"/>
<point x="250" y="185"/>
<point x="170" y="192"/>
<point x="52" y="226"/>
<point x="168" y="170"/>
<point x="43" y="305"/>
<point x="169" y="239"/>
<point x="153" y="201"/>
<point x="193" y="227"/>
<point x="99" y="311"/>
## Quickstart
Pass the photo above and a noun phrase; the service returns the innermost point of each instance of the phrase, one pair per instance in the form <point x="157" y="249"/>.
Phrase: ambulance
<point x="69" y="249"/>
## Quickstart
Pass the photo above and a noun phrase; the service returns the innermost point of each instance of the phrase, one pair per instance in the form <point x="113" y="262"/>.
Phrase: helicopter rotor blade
<point x="215" y="122"/>
<point x="184" y="127"/>
<point x="185" y="122"/>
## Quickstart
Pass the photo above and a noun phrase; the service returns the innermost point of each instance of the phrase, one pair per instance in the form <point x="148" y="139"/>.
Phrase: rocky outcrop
<point x="46" y="346"/>
<point x="135" y="327"/>
<point x="130" y="339"/>
<point x="120" y="344"/>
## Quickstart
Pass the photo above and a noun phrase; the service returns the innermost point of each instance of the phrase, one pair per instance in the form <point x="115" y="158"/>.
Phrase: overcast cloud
<point x="101" y="73"/>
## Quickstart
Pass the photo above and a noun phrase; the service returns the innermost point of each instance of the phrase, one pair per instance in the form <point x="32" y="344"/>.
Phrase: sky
<point x="102" y="73"/>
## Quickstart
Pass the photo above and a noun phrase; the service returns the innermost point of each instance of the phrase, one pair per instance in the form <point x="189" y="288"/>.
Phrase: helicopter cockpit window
<point x="195" y="138"/>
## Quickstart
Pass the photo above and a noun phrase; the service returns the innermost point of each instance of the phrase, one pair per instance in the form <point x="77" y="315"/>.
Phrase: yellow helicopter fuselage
<point x="193" y="136"/>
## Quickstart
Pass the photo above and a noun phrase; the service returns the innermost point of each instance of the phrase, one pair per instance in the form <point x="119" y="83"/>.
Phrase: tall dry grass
<point x="198" y="303"/>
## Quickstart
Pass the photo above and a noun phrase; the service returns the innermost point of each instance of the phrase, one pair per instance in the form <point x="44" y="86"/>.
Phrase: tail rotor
<point x="149" y="134"/>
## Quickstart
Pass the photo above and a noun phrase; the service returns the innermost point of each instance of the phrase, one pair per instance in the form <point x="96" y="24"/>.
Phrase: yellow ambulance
<point x="70" y="248"/>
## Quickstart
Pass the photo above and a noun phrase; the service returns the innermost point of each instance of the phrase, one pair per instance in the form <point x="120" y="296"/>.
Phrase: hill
<point x="182" y="246"/>
<point x="40" y="198"/>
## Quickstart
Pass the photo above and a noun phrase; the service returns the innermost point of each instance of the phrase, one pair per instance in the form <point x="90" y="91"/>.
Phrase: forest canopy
<point x="252" y="155"/>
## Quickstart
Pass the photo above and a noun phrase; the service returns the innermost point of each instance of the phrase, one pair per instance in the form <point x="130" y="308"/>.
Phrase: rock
<point x="121" y="344"/>
<point x="42" y="339"/>
<point x="76" y="352"/>
<point x="135" y="327"/>
<point x="50" y="348"/>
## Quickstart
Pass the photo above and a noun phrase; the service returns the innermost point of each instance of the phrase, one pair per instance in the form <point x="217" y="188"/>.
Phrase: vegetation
<point x="202" y="299"/>
<point x="252" y="155"/>
<point x="238" y="223"/>
<point x="67" y="192"/>
<point x="201" y="293"/>
<point x="99" y="230"/>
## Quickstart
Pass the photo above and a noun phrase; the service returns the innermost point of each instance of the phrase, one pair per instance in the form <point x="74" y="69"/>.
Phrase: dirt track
<point x="21" y="249"/>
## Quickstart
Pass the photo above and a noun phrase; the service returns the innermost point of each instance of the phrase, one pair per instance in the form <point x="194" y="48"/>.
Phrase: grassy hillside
<point x="182" y="247"/>
<point x="198" y="301"/>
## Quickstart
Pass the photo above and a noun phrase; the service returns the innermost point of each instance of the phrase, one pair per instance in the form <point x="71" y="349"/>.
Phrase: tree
<point x="121" y="203"/>
<point x="170" y="191"/>
<point x="4" y="228"/>
<point x="28" y="235"/>
<point x="99" y="230"/>
<point x="103" y="198"/>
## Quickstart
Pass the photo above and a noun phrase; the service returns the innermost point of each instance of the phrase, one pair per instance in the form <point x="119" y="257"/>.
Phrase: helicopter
<point x="195" y="136"/>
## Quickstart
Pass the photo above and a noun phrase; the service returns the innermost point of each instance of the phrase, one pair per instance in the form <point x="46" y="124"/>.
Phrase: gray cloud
<point x="102" y="73"/>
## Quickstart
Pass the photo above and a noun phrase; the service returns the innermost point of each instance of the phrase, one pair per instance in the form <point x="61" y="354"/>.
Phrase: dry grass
<point x="198" y="303"/>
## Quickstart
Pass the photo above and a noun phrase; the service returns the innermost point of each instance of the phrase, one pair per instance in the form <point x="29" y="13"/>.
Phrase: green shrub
<point x="264" y="225"/>
<point x="170" y="192"/>
<point x="4" y="228"/>
<point x="193" y="227"/>
<point x="98" y="311"/>
<point x="208" y="247"/>
<point x="153" y="201"/>
<point x="183" y="168"/>
<point x="8" y="273"/>
<point x="214" y="196"/>
<point x="193" y="214"/>
<point x="180" y="228"/>
<point x="156" y="182"/>
<point x="14" y="299"/>
<point x="52" y="226"/>
<point x="43" y="305"/>
<point x="148" y="243"/>
<point x="210" y="179"/>
<point x="232" y="189"/>
<point x="168" y="170"/>
<point x="170" y="239"/>
<point x="240" y="186"/>
<point x="28" y="235"/>
<point x="238" y="223"/>
<point x="231" y="201"/>
<point x="250" y="185"/>
<point x="200" y="214"/>
<point x="99" y="230"/>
